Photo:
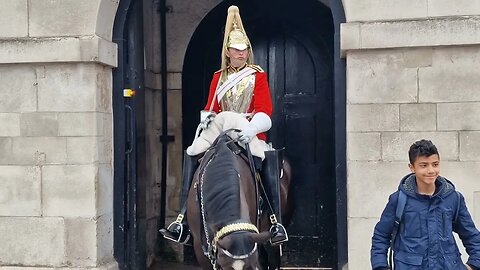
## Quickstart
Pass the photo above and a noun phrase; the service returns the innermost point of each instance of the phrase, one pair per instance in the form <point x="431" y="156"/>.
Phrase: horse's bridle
<point x="232" y="228"/>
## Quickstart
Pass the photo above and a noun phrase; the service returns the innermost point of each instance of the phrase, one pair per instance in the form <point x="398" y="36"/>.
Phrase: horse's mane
<point x="221" y="188"/>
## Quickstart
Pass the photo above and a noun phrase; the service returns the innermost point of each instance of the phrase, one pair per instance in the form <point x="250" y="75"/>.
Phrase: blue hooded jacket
<point x="425" y="240"/>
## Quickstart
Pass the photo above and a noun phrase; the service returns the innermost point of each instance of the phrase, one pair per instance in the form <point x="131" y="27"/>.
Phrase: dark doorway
<point x="294" y="44"/>
<point x="129" y="139"/>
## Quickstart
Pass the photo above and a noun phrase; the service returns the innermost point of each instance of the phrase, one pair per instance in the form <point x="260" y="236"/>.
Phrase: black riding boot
<point x="178" y="230"/>
<point x="271" y="168"/>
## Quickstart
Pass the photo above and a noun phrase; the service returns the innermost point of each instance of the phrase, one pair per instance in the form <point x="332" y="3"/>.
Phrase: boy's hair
<point x="422" y="148"/>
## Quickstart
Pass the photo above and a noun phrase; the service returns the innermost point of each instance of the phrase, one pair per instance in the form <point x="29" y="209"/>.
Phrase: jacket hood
<point x="409" y="186"/>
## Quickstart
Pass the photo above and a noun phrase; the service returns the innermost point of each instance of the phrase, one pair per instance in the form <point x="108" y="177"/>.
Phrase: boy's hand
<point x="468" y="267"/>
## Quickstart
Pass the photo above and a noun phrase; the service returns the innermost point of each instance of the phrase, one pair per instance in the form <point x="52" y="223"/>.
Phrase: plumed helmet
<point x="235" y="36"/>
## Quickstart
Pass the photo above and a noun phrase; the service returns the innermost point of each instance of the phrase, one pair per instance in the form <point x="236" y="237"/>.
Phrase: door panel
<point x="300" y="81"/>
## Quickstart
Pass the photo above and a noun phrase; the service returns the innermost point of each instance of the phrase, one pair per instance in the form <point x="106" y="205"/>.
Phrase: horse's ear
<point x="260" y="238"/>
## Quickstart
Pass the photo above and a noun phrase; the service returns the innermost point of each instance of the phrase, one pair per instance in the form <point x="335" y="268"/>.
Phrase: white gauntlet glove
<point x="260" y="122"/>
<point x="206" y="117"/>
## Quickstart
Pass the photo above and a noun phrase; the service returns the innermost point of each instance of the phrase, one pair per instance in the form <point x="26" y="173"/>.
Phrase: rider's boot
<point x="178" y="230"/>
<point x="271" y="168"/>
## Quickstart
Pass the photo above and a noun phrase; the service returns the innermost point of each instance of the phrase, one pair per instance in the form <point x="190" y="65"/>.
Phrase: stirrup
<point x="279" y="234"/>
<point x="177" y="232"/>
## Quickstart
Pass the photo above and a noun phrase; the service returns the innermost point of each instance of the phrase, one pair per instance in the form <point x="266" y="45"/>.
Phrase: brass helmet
<point x="235" y="36"/>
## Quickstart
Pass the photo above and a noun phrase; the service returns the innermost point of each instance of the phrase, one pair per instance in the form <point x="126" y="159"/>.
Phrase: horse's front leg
<point x="201" y="258"/>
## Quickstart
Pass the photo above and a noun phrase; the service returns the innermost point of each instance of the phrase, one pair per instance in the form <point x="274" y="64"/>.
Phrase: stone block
<point x="65" y="49"/>
<point x="83" y="150"/>
<point x="469" y="145"/>
<point x="80" y="124"/>
<point x="349" y="37"/>
<point x="20" y="193"/>
<point x="175" y="80"/>
<point x="10" y="123"/>
<point x="103" y="83"/>
<point x="81" y="241"/>
<point x="14" y="19"/>
<point x="154" y="80"/>
<point x="458" y="116"/>
<point x="6" y="150"/>
<point x="364" y="146"/>
<point x="105" y="239"/>
<point x="105" y="18"/>
<point x="39" y="124"/>
<point x="68" y="88"/>
<point x="453" y="76"/>
<point x="188" y="15"/>
<point x="112" y="265"/>
<point x="62" y="18"/>
<point x="475" y="210"/>
<point x="380" y="77"/>
<point x="367" y="178"/>
<point x="373" y="117"/>
<point x="418" y="117"/>
<point x="360" y="231"/>
<point x="69" y="190"/>
<point x="37" y="241"/>
<point x="414" y="33"/>
<point x="395" y="145"/>
<point x="153" y="107"/>
<point x="21" y="95"/>
<point x="417" y="57"/>
<point x="106" y="153"/>
<point x="38" y="150"/>
<point x="81" y="248"/>
<point x="452" y="8"/>
<point x="464" y="176"/>
<point x="377" y="10"/>
<point x="104" y="188"/>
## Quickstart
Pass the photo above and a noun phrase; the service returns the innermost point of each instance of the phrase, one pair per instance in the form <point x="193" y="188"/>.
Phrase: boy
<point x="425" y="240"/>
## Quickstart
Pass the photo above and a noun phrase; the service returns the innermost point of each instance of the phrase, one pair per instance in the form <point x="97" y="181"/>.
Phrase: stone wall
<point x="411" y="74"/>
<point x="56" y="182"/>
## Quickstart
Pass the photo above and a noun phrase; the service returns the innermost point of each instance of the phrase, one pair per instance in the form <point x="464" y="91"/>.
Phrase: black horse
<point x="223" y="206"/>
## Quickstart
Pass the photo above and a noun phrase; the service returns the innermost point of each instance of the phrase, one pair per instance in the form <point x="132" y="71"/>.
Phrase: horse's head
<point x="239" y="250"/>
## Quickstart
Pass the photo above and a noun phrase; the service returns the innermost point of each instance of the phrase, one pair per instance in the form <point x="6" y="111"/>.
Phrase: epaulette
<point x="257" y="68"/>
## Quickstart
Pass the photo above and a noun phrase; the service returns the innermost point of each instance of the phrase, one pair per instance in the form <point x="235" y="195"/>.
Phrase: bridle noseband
<point x="231" y="228"/>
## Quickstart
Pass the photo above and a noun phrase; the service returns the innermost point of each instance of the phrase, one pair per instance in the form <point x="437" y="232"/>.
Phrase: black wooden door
<point x="300" y="78"/>
<point x="294" y="44"/>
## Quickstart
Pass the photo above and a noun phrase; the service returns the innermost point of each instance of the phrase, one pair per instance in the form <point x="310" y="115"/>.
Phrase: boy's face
<point x="426" y="169"/>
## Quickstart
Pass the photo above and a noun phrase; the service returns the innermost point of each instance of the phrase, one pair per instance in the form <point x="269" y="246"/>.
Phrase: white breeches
<point x="222" y="122"/>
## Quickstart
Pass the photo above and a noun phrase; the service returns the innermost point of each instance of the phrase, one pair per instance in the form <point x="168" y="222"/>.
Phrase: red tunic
<point x="261" y="99"/>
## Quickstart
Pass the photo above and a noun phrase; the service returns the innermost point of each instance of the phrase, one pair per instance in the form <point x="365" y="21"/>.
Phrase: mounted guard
<point x="239" y="97"/>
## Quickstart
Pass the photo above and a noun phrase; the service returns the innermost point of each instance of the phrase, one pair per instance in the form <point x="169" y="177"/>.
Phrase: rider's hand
<point x="206" y="117"/>
<point x="260" y="122"/>
<point x="248" y="133"/>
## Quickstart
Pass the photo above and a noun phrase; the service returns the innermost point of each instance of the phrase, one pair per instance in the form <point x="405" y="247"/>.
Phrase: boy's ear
<point x="412" y="169"/>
